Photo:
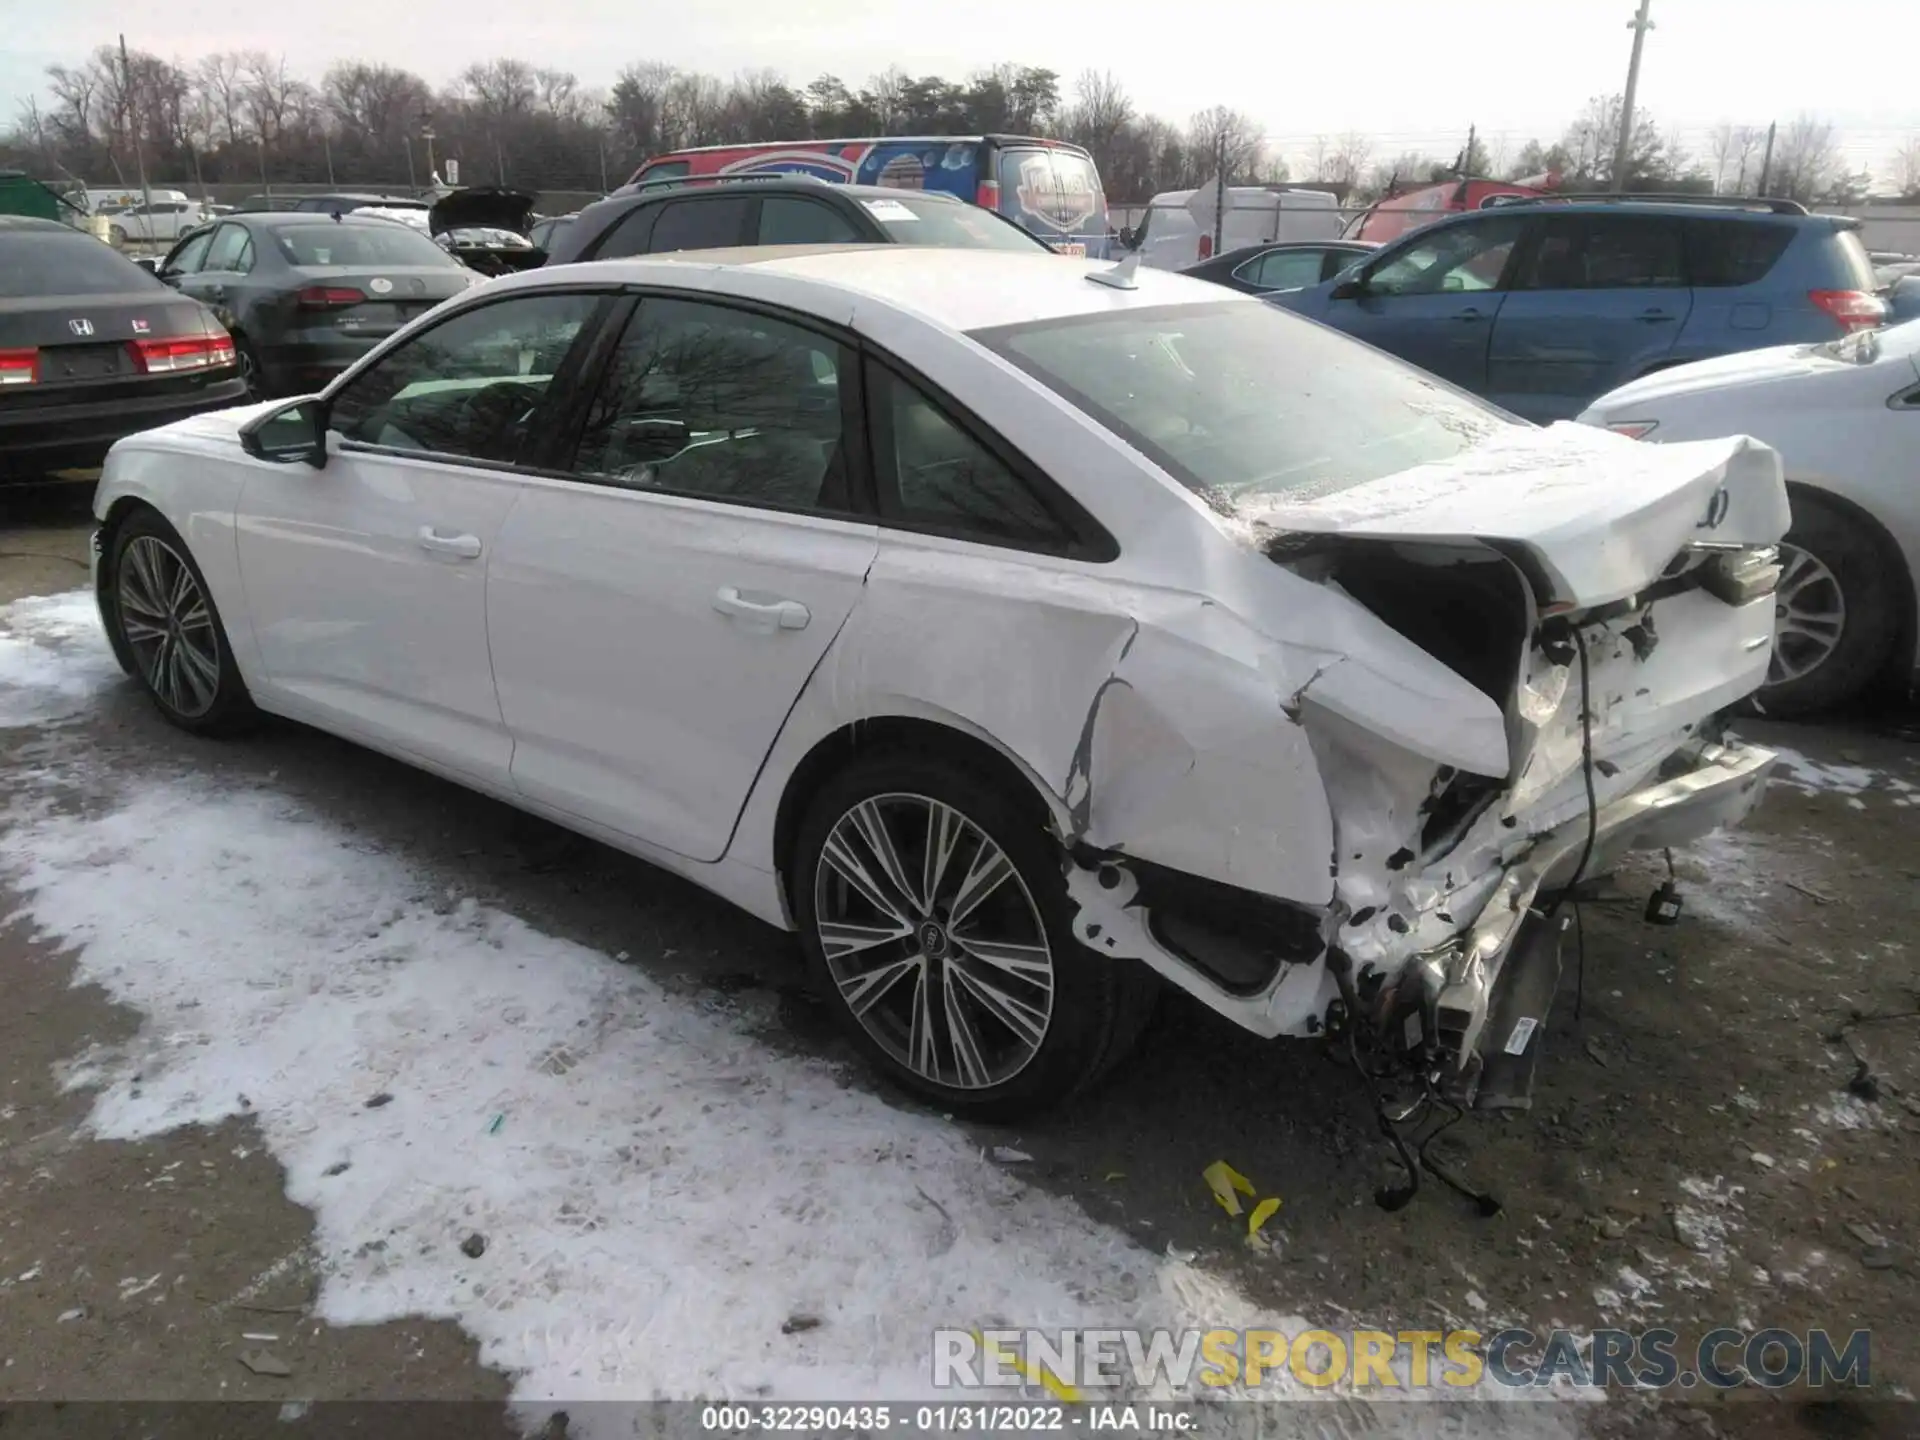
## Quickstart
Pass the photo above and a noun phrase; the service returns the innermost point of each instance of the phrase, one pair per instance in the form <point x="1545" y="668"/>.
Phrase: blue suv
<point x="1544" y="306"/>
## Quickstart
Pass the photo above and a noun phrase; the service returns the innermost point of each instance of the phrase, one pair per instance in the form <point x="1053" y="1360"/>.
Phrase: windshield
<point x="41" y="262"/>
<point x="1239" y="398"/>
<point x="1052" y="192"/>
<point x="914" y="220"/>
<point x="338" y="243"/>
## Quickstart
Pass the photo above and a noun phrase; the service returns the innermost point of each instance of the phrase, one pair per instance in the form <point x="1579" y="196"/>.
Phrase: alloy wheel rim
<point x="249" y="372"/>
<point x="169" y="627"/>
<point x="1809" y="616"/>
<point x="934" y="941"/>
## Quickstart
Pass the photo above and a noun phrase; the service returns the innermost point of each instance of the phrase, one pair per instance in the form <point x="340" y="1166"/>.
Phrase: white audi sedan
<point x="1022" y="632"/>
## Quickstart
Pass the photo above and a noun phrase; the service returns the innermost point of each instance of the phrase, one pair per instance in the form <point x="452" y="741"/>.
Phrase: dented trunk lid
<point x="1593" y="517"/>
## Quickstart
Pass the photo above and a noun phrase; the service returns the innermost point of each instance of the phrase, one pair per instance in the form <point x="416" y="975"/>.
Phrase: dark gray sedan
<point x="1280" y="265"/>
<point x="306" y="295"/>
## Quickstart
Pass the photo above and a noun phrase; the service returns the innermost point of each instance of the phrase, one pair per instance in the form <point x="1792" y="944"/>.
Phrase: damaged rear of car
<point x="1458" y="663"/>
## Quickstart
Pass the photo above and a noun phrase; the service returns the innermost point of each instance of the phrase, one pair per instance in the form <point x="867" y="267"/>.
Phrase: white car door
<point x="654" y="619"/>
<point x="366" y="579"/>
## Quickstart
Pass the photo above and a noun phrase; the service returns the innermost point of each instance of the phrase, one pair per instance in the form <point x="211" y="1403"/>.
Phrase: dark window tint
<point x="699" y="225"/>
<point x="787" y="221"/>
<point x="64" y="263"/>
<point x="364" y="242"/>
<point x="190" y="256"/>
<point x="229" y="246"/>
<point x="1604" y="252"/>
<point x="628" y="235"/>
<point x="473" y="386"/>
<point x="711" y="401"/>
<point x="932" y="472"/>
<point x="1740" y="252"/>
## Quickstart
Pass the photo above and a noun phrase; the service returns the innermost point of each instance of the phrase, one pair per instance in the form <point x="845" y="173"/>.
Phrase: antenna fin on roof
<point x="1120" y="277"/>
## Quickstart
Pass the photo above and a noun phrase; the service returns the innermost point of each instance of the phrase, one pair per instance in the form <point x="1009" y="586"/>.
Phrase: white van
<point x="1169" y="239"/>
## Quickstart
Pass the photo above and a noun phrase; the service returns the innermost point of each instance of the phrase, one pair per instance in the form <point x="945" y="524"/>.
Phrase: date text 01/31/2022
<point x="954" y="1419"/>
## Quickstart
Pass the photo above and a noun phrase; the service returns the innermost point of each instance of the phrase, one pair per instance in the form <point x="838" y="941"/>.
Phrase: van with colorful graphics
<point x="1047" y="187"/>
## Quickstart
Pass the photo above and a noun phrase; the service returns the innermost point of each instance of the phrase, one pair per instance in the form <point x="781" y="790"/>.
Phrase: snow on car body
<point x="1295" y="686"/>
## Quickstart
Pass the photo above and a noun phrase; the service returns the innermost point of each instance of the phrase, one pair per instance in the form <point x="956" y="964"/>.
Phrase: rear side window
<point x="1282" y="269"/>
<point x="785" y="220"/>
<point x="67" y="263"/>
<point x="1740" y="252"/>
<point x="229" y="245"/>
<point x="697" y="225"/>
<point x="1604" y="252"/>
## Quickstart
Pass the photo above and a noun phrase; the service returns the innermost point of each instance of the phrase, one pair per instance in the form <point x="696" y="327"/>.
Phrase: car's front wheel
<point x="935" y="915"/>
<point x="165" y="622"/>
<point x="1836" y="612"/>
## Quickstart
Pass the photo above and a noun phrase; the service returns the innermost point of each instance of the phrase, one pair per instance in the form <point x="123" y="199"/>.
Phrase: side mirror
<point x="148" y="263"/>
<point x="1129" y="237"/>
<point x="1351" y="288"/>
<point x="296" y="431"/>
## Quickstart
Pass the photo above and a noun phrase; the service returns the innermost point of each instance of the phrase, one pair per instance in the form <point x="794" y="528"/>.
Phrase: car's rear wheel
<point x="118" y="235"/>
<point x="1835" y="612"/>
<point x="165" y="621"/>
<point x="935" y="915"/>
<point x="251" y="374"/>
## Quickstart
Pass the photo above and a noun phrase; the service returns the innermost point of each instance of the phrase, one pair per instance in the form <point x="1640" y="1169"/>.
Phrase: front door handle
<point x="1467" y="316"/>
<point x="781" y="614"/>
<point x="1654" y="317"/>
<point x="466" y="547"/>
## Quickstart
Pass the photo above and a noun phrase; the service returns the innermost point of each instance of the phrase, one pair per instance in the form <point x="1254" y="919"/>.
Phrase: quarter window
<point x="932" y="472"/>
<point x="787" y="221"/>
<point x="474" y="386"/>
<point x="706" y="400"/>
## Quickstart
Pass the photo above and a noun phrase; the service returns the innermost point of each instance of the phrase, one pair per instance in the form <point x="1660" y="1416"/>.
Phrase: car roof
<point x="960" y="290"/>
<point x="35" y="223"/>
<point x="769" y="183"/>
<point x="1262" y="247"/>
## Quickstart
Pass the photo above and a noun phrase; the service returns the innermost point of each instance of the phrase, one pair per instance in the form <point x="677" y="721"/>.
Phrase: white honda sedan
<point x="1023" y="632"/>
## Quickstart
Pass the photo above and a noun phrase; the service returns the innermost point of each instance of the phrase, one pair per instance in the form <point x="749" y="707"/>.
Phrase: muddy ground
<point x="1695" y="1157"/>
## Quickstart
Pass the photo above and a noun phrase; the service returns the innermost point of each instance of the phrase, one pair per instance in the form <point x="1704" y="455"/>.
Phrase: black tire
<point x="184" y="664"/>
<point x="250" y="371"/>
<point x="1870" y="591"/>
<point x="1099" y="1005"/>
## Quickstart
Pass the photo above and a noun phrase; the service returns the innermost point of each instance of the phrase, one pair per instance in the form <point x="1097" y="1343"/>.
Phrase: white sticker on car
<point x="889" y="210"/>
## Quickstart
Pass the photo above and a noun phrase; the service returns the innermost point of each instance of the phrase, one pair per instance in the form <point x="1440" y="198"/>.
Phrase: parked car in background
<point x="346" y="202"/>
<point x="661" y="216"/>
<point x="1845" y="417"/>
<point x="1903" y="300"/>
<point x="1394" y="216"/>
<point x="485" y="228"/>
<point x="1062" y="648"/>
<point x="1543" y="306"/>
<point x="92" y="348"/>
<point x="1047" y="187"/>
<point x="158" y="220"/>
<point x="549" y="226"/>
<point x="1169" y="238"/>
<point x="1261" y="269"/>
<point x="306" y="295"/>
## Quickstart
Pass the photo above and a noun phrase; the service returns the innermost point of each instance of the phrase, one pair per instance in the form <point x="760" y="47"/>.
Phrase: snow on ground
<point x="53" y="659"/>
<point x="659" y="1191"/>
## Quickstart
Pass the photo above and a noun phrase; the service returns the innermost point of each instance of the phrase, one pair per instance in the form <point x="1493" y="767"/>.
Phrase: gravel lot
<point x="1695" y="1157"/>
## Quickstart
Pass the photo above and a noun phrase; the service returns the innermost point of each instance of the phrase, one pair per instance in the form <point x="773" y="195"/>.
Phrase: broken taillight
<point x="1854" y="309"/>
<point x="1738" y="576"/>
<point x="1634" y="429"/>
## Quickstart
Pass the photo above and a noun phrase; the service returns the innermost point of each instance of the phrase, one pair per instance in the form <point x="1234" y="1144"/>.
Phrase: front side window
<point x="190" y="256"/>
<point x="706" y="400"/>
<point x="1457" y="258"/>
<point x="474" y="386"/>
<point x="932" y="472"/>
<point x="1604" y="252"/>
<point x="1239" y="398"/>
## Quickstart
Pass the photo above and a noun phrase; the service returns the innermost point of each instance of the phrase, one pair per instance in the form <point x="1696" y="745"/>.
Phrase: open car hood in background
<point x="483" y="208"/>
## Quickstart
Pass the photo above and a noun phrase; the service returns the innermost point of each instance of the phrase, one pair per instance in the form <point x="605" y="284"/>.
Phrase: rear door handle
<point x="1467" y="316"/>
<point x="466" y="547"/>
<point x="781" y="614"/>
<point x="1654" y="317"/>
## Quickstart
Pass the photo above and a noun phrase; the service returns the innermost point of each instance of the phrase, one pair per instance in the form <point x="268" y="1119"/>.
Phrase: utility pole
<point x="1465" y="168"/>
<point x="1766" y="165"/>
<point x="133" y="132"/>
<point x="1640" y="24"/>
<point x="1219" y="190"/>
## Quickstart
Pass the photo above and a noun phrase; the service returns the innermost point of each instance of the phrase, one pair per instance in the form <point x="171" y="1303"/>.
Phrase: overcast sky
<point x="1413" y="73"/>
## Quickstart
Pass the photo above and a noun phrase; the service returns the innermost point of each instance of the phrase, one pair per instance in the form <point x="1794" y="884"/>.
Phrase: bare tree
<point x="1224" y="141"/>
<point x="1733" y="148"/>
<point x="1806" y="160"/>
<point x="1906" y="167"/>
<point x="222" y="78"/>
<point x="1100" y="114"/>
<point x="1348" y="161"/>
